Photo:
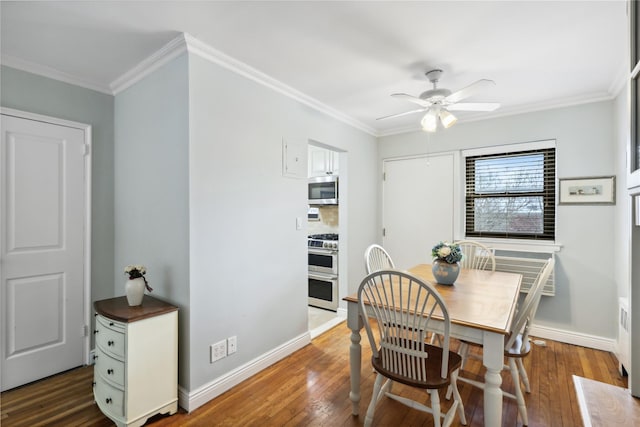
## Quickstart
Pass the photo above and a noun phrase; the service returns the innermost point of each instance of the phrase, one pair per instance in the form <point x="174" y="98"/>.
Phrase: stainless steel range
<point x="323" y="271"/>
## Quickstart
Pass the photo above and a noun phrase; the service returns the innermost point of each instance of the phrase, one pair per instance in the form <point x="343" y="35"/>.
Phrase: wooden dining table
<point x="481" y="306"/>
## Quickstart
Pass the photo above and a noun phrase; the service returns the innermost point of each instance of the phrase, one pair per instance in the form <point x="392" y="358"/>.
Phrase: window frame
<point x="549" y="193"/>
<point x="633" y="147"/>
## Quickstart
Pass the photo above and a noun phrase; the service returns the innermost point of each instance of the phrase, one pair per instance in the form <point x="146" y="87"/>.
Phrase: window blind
<point x="511" y="195"/>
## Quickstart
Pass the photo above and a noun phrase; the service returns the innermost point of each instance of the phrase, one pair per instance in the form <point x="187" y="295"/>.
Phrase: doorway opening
<point x="327" y="238"/>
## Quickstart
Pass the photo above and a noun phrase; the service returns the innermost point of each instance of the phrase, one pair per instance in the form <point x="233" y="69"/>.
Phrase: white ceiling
<point x="347" y="55"/>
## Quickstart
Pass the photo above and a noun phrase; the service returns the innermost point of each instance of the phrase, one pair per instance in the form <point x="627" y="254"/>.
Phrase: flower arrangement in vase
<point x="445" y="266"/>
<point x="136" y="284"/>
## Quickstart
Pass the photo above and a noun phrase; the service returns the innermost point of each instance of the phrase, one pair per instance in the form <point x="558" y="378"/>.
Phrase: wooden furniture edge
<point x="118" y="309"/>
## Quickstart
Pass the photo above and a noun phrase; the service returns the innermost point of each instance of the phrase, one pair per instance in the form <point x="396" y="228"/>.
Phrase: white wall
<point x="202" y="201"/>
<point x="248" y="261"/>
<point x="151" y="189"/>
<point x="585" y="300"/>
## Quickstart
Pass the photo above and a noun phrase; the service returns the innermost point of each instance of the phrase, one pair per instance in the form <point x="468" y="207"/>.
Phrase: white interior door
<point x="417" y="206"/>
<point x="42" y="196"/>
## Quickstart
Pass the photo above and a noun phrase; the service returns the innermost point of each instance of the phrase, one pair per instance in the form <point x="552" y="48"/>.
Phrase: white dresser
<point x="136" y="360"/>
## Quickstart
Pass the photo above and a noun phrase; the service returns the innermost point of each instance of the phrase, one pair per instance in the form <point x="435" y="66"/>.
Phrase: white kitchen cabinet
<point x="136" y="360"/>
<point x="323" y="162"/>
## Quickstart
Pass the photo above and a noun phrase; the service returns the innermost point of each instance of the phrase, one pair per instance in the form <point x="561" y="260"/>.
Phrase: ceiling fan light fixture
<point x="447" y="119"/>
<point x="430" y="121"/>
<point x="438" y="101"/>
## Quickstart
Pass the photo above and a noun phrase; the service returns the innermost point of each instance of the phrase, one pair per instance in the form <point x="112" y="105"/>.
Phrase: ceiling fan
<point x="439" y="102"/>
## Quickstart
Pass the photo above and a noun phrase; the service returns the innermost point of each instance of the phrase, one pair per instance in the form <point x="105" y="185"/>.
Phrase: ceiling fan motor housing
<point x="434" y="95"/>
<point x="433" y="75"/>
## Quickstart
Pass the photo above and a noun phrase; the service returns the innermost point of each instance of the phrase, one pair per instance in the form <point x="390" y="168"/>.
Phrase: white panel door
<point x="42" y="213"/>
<point x="417" y="207"/>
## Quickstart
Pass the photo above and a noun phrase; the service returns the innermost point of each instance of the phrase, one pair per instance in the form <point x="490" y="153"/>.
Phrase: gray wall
<point x="32" y="93"/>
<point x="585" y="300"/>
<point x="152" y="189"/>
<point x="202" y="202"/>
<point x="248" y="261"/>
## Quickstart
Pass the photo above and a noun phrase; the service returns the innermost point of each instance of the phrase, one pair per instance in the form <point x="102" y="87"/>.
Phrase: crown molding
<point x="187" y="43"/>
<point x="547" y="105"/>
<point x="52" y="73"/>
<point x="215" y="56"/>
<point x="621" y="79"/>
<point x="165" y="54"/>
<point x="174" y="48"/>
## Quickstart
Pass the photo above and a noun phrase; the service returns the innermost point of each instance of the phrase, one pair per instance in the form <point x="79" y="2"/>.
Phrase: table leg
<point x="493" y="360"/>
<point x="355" y="356"/>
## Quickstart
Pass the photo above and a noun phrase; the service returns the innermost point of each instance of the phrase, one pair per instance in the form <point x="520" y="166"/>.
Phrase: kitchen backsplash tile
<point x="328" y="221"/>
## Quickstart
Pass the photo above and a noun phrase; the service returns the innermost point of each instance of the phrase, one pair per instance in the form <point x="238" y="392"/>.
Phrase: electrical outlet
<point x="218" y="350"/>
<point x="232" y="344"/>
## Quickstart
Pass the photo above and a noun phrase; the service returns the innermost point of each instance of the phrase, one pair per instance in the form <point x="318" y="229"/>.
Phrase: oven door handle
<point x="322" y="276"/>
<point x="322" y="251"/>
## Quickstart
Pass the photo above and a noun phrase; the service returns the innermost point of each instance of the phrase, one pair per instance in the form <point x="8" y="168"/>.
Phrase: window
<point x="634" y="43"/>
<point x="511" y="195"/>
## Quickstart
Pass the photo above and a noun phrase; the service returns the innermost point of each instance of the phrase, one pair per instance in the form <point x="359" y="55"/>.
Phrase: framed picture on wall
<point x="599" y="190"/>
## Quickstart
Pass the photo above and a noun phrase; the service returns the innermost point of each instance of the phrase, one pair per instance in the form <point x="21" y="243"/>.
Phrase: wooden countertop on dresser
<point x="118" y="308"/>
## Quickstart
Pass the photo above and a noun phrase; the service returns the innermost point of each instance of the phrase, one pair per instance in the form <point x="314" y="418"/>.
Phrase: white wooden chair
<point x="518" y="345"/>
<point x="402" y="306"/>
<point x="376" y="258"/>
<point x="477" y="256"/>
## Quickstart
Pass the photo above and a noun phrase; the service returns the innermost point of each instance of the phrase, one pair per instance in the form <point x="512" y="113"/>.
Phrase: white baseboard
<point x="196" y="398"/>
<point x="575" y="338"/>
<point x="192" y="400"/>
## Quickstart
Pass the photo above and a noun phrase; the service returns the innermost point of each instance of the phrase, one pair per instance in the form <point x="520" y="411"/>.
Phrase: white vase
<point x="134" y="289"/>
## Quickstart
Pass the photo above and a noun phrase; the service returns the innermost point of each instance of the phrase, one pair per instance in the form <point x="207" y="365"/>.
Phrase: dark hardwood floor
<point x="311" y="388"/>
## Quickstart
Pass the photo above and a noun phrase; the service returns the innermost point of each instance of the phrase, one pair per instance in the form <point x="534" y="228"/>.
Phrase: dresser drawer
<point x="110" y="399"/>
<point x="109" y="368"/>
<point x="110" y="336"/>
<point x="136" y="359"/>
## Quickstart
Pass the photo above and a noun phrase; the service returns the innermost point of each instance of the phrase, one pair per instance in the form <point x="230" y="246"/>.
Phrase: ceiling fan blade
<point x="469" y="90"/>
<point x="473" y="106"/>
<point x="402" y="114"/>
<point x="413" y="99"/>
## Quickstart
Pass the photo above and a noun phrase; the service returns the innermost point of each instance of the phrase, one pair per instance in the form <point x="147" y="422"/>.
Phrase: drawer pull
<point x="110" y="343"/>
<point x="110" y="323"/>
<point x="95" y="356"/>
<point x="109" y="371"/>
<point x="93" y="383"/>
<point x="108" y="400"/>
<point x="95" y="331"/>
<point x="95" y="314"/>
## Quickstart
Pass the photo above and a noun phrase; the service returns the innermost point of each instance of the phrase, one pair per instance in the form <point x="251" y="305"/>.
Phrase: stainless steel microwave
<point x="323" y="190"/>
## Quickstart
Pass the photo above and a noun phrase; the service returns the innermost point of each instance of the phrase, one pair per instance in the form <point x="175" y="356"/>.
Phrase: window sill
<point x="520" y="245"/>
